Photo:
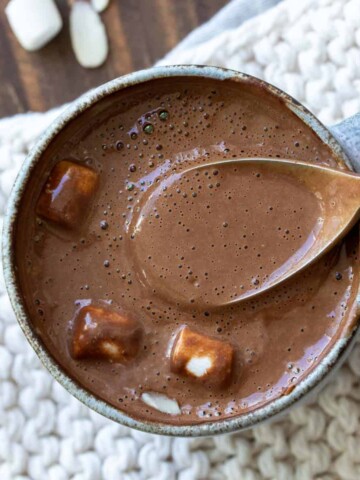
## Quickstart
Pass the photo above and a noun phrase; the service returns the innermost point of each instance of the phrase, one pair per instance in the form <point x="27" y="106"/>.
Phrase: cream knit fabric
<point x="311" y="49"/>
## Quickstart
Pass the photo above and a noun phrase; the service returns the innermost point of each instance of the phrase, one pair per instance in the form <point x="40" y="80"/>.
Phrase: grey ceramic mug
<point x="343" y="140"/>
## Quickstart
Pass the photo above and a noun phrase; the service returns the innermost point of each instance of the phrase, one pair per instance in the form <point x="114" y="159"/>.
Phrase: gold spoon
<point x="338" y="192"/>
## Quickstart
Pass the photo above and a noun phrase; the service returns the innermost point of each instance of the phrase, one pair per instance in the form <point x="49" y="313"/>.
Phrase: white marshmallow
<point x="88" y="35"/>
<point x="199" y="366"/>
<point x="100" y="5"/>
<point x="34" y="22"/>
<point x="161" y="402"/>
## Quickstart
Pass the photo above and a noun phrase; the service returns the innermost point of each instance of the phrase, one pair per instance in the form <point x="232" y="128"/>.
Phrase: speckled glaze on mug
<point x="312" y="382"/>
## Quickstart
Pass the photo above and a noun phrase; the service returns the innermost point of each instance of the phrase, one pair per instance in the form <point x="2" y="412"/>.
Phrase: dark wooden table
<point x="140" y="32"/>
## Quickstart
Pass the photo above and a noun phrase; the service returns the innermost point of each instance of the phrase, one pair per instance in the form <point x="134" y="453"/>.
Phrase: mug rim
<point x="314" y="379"/>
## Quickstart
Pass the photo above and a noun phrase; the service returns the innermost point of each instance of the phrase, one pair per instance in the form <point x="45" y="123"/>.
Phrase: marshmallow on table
<point x="100" y="5"/>
<point x="34" y="22"/>
<point x="67" y="194"/>
<point x="103" y="333"/>
<point x="202" y="357"/>
<point x="88" y="35"/>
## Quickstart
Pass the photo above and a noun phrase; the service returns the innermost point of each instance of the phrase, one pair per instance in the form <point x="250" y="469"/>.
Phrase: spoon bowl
<point x="338" y="195"/>
<point x="270" y="219"/>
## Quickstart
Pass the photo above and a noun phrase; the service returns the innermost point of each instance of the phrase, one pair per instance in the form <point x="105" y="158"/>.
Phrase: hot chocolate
<point x="129" y="260"/>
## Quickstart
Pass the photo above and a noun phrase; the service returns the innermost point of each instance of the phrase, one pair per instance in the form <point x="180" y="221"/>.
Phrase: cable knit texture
<point x="311" y="49"/>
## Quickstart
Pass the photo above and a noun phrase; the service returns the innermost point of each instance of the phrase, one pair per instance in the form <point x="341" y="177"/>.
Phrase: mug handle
<point x="347" y="133"/>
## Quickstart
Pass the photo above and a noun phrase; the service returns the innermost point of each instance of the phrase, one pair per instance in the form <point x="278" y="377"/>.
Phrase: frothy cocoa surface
<point x="166" y="246"/>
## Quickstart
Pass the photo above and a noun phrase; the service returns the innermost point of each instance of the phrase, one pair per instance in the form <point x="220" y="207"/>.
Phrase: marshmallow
<point x="34" y="22"/>
<point x="67" y="193"/>
<point x="161" y="402"/>
<point x="99" y="5"/>
<point x="202" y="357"/>
<point x="88" y="35"/>
<point x="99" y="332"/>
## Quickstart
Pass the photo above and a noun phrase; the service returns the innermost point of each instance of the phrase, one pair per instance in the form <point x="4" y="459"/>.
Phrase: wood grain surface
<point x="140" y="32"/>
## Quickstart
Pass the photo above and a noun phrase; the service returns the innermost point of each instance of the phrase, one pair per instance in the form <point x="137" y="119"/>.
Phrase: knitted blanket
<point x="311" y="49"/>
